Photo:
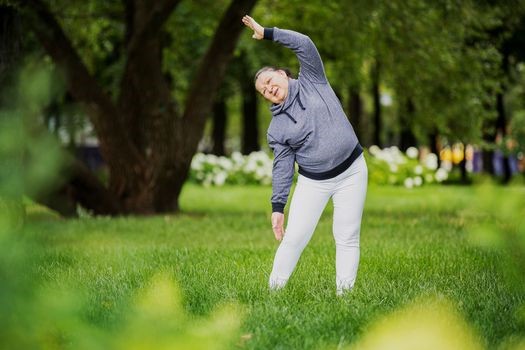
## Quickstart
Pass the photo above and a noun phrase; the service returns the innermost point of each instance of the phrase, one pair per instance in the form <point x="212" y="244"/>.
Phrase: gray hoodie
<point x="309" y="127"/>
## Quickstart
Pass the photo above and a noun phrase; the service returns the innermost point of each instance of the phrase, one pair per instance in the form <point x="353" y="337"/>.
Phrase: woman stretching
<point x="310" y="127"/>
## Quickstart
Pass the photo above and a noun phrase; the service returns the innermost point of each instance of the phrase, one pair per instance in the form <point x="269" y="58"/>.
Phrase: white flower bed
<point x="386" y="166"/>
<point x="209" y="169"/>
<point x="391" y="166"/>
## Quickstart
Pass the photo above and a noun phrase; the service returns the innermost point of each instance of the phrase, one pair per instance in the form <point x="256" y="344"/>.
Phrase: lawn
<point x="414" y="244"/>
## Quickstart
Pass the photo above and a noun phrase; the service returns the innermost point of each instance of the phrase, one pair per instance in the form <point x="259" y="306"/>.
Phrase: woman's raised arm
<point x="311" y="64"/>
<point x="258" y="30"/>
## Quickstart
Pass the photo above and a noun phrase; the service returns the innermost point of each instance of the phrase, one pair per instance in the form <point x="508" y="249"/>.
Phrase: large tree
<point x="146" y="139"/>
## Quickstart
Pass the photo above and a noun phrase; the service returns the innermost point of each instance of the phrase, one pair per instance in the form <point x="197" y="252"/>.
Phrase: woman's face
<point x="273" y="85"/>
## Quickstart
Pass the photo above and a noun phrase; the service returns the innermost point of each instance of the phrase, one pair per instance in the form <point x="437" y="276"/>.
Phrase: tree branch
<point x="155" y="19"/>
<point x="129" y="11"/>
<point x="82" y="86"/>
<point x="49" y="32"/>
<point x="211" y="72"/>
<point x="143" y="81"/>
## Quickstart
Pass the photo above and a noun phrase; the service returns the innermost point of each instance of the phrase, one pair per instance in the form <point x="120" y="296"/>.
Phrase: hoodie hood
<point x="293" y="93"/>
<point x="293" y="90"/>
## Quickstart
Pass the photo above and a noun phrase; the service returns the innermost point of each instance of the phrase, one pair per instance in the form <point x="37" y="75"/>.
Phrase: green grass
<point x="220" y="250"/>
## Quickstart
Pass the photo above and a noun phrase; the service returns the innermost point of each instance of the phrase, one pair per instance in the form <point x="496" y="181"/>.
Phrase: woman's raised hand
<point x="258" y="30"/>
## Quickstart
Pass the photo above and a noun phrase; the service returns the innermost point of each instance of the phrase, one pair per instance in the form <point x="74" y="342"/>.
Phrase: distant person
<point x="309" y="127"/>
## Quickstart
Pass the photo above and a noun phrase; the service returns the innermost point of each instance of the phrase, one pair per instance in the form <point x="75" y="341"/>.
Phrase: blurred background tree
<point x="146" y="138"/>
<point x="154" y="82"/>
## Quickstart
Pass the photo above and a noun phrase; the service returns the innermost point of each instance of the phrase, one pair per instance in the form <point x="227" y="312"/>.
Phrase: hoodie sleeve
<point x="311" y="64"/>
<point x="282" y="173"/>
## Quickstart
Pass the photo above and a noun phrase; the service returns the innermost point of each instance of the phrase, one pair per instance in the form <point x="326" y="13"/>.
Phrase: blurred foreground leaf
<point x="431" y="324"/>
<point x="158" y="321"/>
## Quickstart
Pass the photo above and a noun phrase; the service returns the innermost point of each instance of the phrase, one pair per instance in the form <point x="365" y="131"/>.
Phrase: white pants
<point x="348" y="192"/>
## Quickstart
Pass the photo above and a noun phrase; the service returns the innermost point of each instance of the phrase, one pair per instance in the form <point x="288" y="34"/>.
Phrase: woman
<point x="310" y="127"/>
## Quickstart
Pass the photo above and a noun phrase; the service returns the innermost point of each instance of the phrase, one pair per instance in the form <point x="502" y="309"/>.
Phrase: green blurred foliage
<point x="51" y="315"/>
<point x="157" y="320"/>
<point x="500" y="227"/>
<point x="29" y="156"/>
<point x="97" y="31"/>
<point x="501" y="224"/>
<point x="516" y="104"/>
<point x="423" y="50"/>
<point x="444" y="56"/>
<point x="189" y="32"/>
<point x="431" y="323"/>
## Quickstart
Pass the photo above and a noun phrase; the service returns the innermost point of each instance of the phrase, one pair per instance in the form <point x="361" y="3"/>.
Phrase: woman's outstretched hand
<point x="258" y="30"/>
<point x="278" y="225"/>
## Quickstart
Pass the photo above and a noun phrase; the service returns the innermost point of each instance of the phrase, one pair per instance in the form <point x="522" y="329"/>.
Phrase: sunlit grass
<point x="220" y="248"/>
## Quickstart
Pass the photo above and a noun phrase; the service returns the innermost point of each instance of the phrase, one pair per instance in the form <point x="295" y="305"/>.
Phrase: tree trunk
<point x="12" y="209"/>
<point x="464" y="179"/>
<point x="377" y="104"/>
<point x="501" y="126"/>
<point x="355" y="108"/>
<point x="10" y="45"/>
<point x="433" y="143"/>
<point x="219" y="126"/>
<point x="83" y="188"/>
<point x="487" y="157"/>
<point x="146" y="145"/>
<point x="250" y="125"/>
<point x="407" y="116"/>
<point x="463" y="168"/>
<point x="487" y="152"/>
<point x="250" y="120"/>
<point x="507" y="171"/>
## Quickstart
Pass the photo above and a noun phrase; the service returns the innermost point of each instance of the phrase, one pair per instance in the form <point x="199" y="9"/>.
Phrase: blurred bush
<point x="51" y="315"/>
<point x="208" y="169"/>
<point x="29" y="156"/>
<point x="427" y="323"/>
<point x="390" y="166"/>
<point x="387" y="166"/>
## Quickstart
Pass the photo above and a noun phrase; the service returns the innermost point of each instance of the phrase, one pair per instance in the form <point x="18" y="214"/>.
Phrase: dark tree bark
<point x="507" y="171"/>
<point x="501" y="120"/>
<point x="407" y="138"/>
<point x="378" y="124"/>
<point x="433" y="143"/>
<point x="501" y="126"/>
<point x="464" y="179"/>
<point x="486" y="156"/>
<point x="10" y="44"/>
<point x="219" y="126"/>
<point x="10" y="50"/>
<point x="355" y="109"/>
<point x="489" y="137"/>
<point x="146" y="145"/>
<point x="499" y="129"/>
<point x="87" y="191"/>
<point x="250" y="120"/>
